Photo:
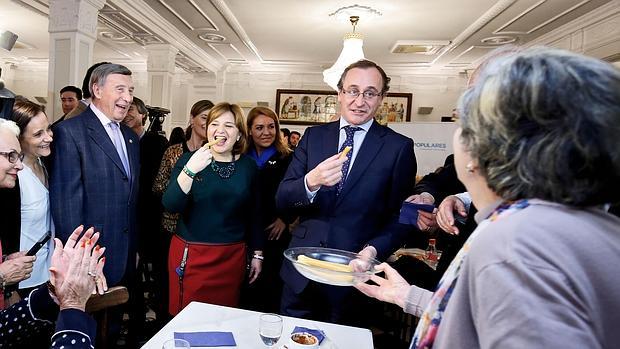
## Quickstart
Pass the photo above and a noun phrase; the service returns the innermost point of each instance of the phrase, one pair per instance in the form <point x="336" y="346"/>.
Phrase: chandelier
<point x="351" y="53"/>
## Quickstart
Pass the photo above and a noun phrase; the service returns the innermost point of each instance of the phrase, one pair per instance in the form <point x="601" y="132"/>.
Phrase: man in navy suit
<point x="95" y="171"/>
<point x="349" y="203"/>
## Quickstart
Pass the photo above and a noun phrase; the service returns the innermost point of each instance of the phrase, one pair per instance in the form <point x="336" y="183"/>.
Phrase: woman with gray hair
<point x="538" y="152"/>
<point x="73" y="273"/>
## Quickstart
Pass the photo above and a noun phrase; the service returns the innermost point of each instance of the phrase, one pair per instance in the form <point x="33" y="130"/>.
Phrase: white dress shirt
<point x="105" y="121"/>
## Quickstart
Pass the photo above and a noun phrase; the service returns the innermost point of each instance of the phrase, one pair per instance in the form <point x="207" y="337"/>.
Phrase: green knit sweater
<point x="218" y="210"/>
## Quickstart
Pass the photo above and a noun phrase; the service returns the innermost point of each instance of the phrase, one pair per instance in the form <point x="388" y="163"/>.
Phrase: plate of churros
<point x="331" y="266"/>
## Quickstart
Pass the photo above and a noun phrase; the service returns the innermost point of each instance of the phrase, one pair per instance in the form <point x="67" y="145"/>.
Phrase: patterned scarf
<point x="425" y="333"/>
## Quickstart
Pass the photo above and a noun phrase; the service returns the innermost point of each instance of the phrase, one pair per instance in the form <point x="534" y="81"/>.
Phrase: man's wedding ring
<point x="93" y="275"/>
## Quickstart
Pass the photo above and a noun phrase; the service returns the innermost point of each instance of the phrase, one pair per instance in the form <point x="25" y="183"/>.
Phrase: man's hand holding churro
<point x="328" y="172"/>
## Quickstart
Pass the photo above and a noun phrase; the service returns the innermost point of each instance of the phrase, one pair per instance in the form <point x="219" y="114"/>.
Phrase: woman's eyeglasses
<point x="12" y="156"/>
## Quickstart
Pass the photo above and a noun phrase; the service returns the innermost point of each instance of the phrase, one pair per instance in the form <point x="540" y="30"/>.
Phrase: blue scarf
<point x="264" y="156"/>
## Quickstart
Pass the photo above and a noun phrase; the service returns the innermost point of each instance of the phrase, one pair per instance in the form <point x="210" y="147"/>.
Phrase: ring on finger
<point x="91" y="274"/>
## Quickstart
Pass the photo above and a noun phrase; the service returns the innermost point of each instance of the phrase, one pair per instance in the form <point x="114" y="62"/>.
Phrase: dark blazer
<point x="10" y="229"/>
<point x="366" y="211"/>
<point x="271" y="175"/>
<point x="74" y="328"/>
<point x="441" y="184"/>
<point x="88" y="185"/>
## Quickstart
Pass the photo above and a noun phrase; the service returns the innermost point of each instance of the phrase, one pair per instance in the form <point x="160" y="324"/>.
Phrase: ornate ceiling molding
<point x="600" y="14"/>
<point x="530" y="10"/>
<point x="151" y="19"/>
<point x="487" y="17"/>
<point x="211" y="26"/>
<point x="234" y="24"/>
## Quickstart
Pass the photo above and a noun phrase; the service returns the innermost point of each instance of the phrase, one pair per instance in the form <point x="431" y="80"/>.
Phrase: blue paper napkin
<point x="207" y="339"/>
<point x="409" y="212"/>
<point x="320" y="335"/>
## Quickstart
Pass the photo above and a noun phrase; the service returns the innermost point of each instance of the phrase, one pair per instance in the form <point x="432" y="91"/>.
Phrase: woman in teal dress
<point x="216" y="191"/>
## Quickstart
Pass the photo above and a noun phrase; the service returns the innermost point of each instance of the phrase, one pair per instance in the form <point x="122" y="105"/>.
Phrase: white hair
<point x="10" y="126"/>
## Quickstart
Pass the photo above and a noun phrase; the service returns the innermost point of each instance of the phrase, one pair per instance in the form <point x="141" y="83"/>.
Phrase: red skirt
<point x="212" y="273"/>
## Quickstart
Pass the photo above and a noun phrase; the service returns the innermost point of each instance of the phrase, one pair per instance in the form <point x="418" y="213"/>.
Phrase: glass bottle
<point x="431" y="254"/>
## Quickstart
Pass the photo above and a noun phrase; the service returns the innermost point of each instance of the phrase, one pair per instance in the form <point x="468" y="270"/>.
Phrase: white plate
<point x="365" y="267"/>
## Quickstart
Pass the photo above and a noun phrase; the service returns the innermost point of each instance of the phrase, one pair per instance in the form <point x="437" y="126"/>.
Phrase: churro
<point x="212" y="143"/>
<point x="324" y="264"/>
<point x="345" y="151"/>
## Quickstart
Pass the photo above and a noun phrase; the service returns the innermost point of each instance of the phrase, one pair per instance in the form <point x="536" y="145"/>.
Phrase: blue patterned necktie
<point x="350" y="131"/>
<point x="118" y="139"/>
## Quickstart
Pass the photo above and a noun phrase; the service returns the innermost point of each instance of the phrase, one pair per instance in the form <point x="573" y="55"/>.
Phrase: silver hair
<point x="10" y="126"/>
<point x="100" y="74"/>
<point x="545" y="123"/>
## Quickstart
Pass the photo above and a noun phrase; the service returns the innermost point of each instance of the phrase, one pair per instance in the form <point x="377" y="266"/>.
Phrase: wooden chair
<point x="98" y="306"/>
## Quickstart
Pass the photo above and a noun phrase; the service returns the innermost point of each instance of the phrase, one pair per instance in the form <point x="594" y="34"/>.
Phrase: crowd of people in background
<point x="521" y="208"/>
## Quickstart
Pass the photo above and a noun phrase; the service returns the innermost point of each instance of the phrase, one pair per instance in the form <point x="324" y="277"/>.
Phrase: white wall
<point x="432" y="142"/>
<point x="596" y="33"/>
<point x="438" y="91"/>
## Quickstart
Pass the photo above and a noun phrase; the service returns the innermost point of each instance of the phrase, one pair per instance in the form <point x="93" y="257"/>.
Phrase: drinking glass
<point x="270" y="328"/>
<point x="176" y="344"/>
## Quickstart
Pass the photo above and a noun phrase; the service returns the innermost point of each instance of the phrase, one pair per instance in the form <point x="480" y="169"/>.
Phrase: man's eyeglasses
<point x="12" y="156"/>
<point x="366" y="94"/>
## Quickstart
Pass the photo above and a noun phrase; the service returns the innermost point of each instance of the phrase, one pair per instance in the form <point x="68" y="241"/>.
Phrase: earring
<point x="470" y="167"/>
<point x="238" y="137"/>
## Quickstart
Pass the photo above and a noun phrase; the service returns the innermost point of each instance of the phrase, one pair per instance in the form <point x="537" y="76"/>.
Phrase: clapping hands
<point x="77" y="269"/>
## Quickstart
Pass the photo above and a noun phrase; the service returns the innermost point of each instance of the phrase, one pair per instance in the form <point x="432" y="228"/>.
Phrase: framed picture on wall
<point x="306" y="107"/>
<point x="311" y="107"/>
<point x="395" y="107"/>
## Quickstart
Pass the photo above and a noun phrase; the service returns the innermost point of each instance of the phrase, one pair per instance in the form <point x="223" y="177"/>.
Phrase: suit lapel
<point x="330" y="141"/>
<point x="329" y="147"/>
<point x="101" y="138"/>
<point x="132" y="143"/>
<point x="373" y="142"/>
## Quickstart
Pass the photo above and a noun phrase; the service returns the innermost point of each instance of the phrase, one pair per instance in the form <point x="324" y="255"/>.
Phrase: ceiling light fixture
<point x="113" y="36"/>
<point x="210" y="37"/>
<point x="499" y="40"/>
<point x="351" y="52"/>
<point x="344" y="13"/>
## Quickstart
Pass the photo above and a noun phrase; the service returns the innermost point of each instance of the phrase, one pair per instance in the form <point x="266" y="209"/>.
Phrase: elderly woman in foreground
<point x="73" y="275"/>
<point x="538" y="150"/>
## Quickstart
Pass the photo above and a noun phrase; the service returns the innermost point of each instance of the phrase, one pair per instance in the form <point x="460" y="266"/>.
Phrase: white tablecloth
<point x="198" y="317"/>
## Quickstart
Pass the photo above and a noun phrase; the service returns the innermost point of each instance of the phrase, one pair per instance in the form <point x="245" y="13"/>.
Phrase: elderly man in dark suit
<point x="95" y="170"/>
<point x="349" y="203"/>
